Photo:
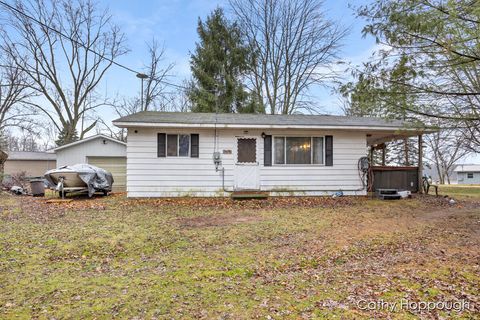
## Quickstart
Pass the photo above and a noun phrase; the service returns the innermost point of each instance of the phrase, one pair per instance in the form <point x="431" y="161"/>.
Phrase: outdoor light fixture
<point x="263" y="135"/>
<point x="141" y="76"/>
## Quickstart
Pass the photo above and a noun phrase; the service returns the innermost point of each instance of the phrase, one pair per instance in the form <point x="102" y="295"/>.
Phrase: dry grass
<point x="294" y="258"/>
<point x="461" y="190"/>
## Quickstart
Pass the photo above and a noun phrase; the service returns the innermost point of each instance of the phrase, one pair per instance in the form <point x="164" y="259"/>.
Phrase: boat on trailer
<point x="80" y="178"/>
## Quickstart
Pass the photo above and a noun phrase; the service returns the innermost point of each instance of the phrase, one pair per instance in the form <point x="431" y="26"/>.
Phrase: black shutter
<point x="194" y="145"/>
<point x="267" y="151"/>
<point x="329" y="150"/>
<point x="161" y="145"/>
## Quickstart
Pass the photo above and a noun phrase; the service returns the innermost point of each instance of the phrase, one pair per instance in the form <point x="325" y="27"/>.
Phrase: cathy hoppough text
<point x="404" y="304"/>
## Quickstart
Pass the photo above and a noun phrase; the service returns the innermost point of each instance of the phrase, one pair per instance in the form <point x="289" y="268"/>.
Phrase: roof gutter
<point x="259" y="126"/>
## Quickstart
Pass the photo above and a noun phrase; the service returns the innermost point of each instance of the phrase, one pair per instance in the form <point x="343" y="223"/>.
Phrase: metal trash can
<point x="38" y="187"/>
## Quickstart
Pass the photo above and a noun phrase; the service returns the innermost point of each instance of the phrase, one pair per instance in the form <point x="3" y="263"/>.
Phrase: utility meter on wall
<point x="217" y="159"/>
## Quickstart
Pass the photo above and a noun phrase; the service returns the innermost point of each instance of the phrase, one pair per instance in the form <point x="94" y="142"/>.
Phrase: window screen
<point x="172" y="146"/>
<point x="279" y="150"/>
<point x="183" y="145"/>
<point x="298" y="150"/>
<point x="247" y="152"/>
<point x="317" y="150"/>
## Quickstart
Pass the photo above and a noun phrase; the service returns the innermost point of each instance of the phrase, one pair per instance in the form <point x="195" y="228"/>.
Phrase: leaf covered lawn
<point x="283" y="258"/>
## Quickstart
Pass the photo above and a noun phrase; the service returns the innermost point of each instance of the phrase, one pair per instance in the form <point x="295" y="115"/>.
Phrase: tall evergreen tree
<point x="218" y="66"/>
<point x="65" y="137"/>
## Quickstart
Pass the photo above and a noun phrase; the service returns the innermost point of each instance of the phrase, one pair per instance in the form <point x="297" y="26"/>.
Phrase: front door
<point x="246" y="165"/>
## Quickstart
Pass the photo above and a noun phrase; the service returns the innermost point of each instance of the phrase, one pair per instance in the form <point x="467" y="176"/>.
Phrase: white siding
<point x="150" y="176"/>
<point x="463" y="178"/>
<point x="93" y="148"/>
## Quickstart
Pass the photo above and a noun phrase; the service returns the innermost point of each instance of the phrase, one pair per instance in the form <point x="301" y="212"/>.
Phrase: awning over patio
<point x="408" y="177"/>
<point x="375" y="138"/>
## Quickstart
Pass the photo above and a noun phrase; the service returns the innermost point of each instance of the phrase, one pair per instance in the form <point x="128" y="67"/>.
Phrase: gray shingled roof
<point x="467" y="167"/>
<point x="27" y="155"/>
<point x="256" y="119"/>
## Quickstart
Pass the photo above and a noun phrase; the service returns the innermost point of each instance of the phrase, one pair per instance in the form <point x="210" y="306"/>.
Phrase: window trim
<point x="311" y="164"/>
<point x="178" y="145"/>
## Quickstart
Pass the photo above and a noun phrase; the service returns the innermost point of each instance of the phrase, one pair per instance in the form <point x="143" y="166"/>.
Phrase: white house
<point x="205" y="154"/>
<point x="468" y="173"/>
<point x="99" y="150"/>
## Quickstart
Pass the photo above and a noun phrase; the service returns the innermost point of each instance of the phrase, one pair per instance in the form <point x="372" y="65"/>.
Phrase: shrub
<point x="15" y="179"/>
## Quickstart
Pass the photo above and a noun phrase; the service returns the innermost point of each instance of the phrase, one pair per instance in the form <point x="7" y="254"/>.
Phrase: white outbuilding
<point x="99" y="150"/>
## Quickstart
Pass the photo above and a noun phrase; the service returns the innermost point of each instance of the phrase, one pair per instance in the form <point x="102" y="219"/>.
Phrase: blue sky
<point x="174" y="23"/>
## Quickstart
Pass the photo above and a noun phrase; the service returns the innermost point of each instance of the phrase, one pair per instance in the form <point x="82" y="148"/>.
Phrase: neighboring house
<point x="99" y="150"/>
<point x="468" y="173"/>
<point x="34" y="164"/>
<point x="204" y="154"/>
<point x="431" y="171"/>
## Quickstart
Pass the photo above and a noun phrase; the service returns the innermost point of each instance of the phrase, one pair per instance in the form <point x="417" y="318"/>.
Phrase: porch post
<point x="383" y="155"/>
<point x="420" y="163"/>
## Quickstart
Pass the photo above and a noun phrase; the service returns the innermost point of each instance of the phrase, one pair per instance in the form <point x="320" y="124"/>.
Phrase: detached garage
<point x="101" y="151"/>
<point x="34" y="164"/>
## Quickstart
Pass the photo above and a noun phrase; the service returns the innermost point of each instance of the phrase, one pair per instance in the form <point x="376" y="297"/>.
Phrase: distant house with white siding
<point x="206" y="154"/>
<point x="468" y="173"/>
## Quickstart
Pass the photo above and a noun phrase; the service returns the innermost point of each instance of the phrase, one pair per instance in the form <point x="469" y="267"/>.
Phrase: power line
<point x="66" y="36"/>
<point x="86" y="48"/>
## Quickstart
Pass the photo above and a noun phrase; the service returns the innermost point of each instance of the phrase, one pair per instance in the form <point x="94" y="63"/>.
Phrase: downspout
<point x="223" y="181"/>
<point x="216" y="154"/>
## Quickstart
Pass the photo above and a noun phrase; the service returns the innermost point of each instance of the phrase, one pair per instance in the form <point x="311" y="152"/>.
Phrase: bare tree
<point x="121" y="107"/>
<point x="65" y="50"/>
<point x="25" y="141"/>
<point x="156" y="97"/>
<point x="14" y="97"/>
<point x="294" y="48"/>
<point x="445" y="148"/>
<point x="157" y="74"/>
<point x="175" y="100"/>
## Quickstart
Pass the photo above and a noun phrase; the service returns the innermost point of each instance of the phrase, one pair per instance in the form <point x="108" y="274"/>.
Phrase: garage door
<point x="117" y="166"/>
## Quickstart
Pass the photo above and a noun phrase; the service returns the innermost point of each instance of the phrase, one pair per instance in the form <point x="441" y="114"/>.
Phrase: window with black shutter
<point x="267" y="151"/>
<point x="161" y="145"/>
<point x="194" y="142"/>
<point x="177" y="145"/>
<point x="298" y="150"/>
<point x="329" y="150"/>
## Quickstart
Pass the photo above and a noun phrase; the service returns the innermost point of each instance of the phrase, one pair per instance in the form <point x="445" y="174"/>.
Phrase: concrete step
<point x="244" y="195"/>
